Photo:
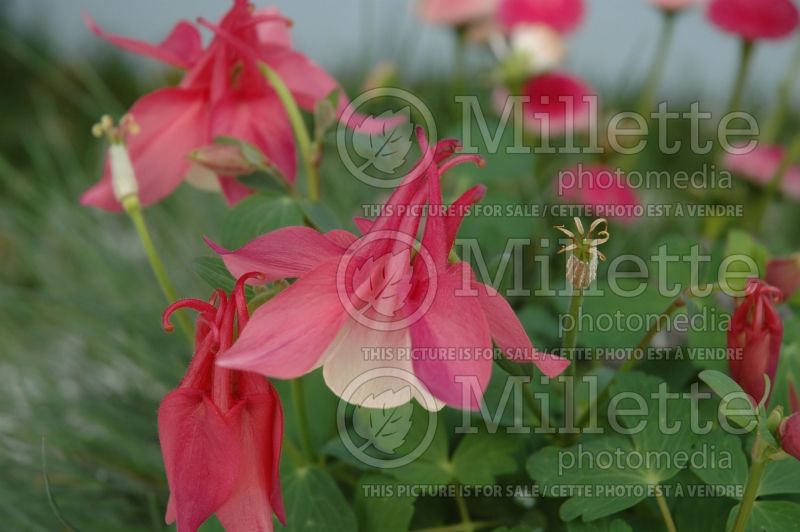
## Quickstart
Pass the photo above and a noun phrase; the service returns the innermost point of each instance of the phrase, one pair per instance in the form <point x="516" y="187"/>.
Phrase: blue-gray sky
<point x="614" y="44"/>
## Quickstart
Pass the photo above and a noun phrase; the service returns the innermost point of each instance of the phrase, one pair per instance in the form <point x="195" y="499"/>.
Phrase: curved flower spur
<point x="427" y="314"/>
<point x="220" y="429"/>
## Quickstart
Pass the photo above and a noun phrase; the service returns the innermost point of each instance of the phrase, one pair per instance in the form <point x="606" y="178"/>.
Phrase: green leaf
<point x="781" y="477"/>
<point x="716" y="472"/>
<point x="480" y="458"/>
<point x="733" y="397"/>
<point x="314" y="502"/>
<point x="770" y="516"/>
<point x="380" y="505"/>
<point x="320" y="215"/>
<point x="385" y="428"/>
<point x="213" y="271"/>
<point x="433" y="465"/>
<point x="256" y="215"/>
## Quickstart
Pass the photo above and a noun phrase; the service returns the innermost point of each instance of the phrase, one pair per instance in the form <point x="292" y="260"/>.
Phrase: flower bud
<point x="223" y="159"/>
<point x="784" y="274"/>
<point x="790" y="435"/>
<point x="754" y="338"/>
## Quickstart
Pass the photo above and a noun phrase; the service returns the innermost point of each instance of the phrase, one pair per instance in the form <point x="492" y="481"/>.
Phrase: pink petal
<point x="285" y="253"/>
<point x="392" y="383"/>
<point x="260" y="120"/>
<point x="172" y="123"/>
<point x="181" y="48"/>
<point x="287" y="336"/>
<point x="452" y="344"/>
<point x="233" y="190"/>
<point x="341" y="238"/>
<point x="259" y="423"/>
<point x="308" y="82"/>
<point x="272" y="32"/>
<point x="201" y="456"/>
<point x="455" y="12"/>
<point x="562" y="15"/>
<point x="510" y="336"/>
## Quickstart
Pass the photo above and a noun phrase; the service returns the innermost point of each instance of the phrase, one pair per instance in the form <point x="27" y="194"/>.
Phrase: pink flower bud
<point x="223" y="159"/>
<point x="784" y="274"/>
<point x="790" y="435"/>
<point x="754" y="338"/>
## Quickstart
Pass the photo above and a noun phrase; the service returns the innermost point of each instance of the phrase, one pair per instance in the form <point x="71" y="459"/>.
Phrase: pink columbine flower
<point x="761" y="165"/>
<point x="222" y="93"/>
<point x="556" y="104"/>
<point x="456" y="12"/>
<point x="784" y="274"/>
<point x="674" y="5"/>
<point x="221" y="429"/>
<point x="600" y="187"/>
<point x="755" y="19"/>
<point x="562" y="15"/>
<point x="383" y="302"/>
<point x="754" y="338"/>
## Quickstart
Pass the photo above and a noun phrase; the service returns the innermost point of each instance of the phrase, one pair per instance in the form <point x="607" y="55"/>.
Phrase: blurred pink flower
<point x="784" y="274"/>
<point x="760" y="166"/>
<point x="789" y="432"/>
<point x="600" y="187"/>
<point x="754" y="338"/>
<point x="674" y="5"/>
<point x="455" y="12"/>
<point x="223" y="93"/>
<point x="562" y="15"/>
<point x="382" y="292"/>
<point x="221" y="430"/>
<point x="558" y="104"/>
<point x="755" y="19"/>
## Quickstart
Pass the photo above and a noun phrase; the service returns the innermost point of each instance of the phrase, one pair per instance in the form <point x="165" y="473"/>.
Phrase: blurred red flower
<point x="562" y="15"/>
<point x="755" y="19"/>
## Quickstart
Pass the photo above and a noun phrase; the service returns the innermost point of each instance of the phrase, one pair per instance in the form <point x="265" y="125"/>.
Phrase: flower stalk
<point x="300" y="131"/>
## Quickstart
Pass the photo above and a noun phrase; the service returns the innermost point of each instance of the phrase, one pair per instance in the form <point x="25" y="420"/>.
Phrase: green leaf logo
<point x="386" y="150"/>
<point x="384" y="428"/>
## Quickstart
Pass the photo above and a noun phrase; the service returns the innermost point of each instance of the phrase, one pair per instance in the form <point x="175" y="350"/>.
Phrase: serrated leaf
<point x="315" y="503"/>
<point x="256" y="215"/>
<point x="732" y="395"/>
<point x="380" y="505"/>
<point x="480" y="458"/>
<point x="385" y="428"/>
<point x="387" y="150"/>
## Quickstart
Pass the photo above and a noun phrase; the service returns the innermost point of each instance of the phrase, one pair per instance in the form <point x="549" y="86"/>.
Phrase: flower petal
<point x="181" y="48"/>
<point x="201" y="456"/>
<point x="172" y="123"/>
<point x="287" y="336"/>
<point x="259" y="423"/>
<point x="452" y="346"/>
<point x="359" y="349"/>
<point x="285" y="253"/>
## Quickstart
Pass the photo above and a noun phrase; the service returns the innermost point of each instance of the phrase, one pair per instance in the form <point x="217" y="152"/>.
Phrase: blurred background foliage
<point x="83" y="359"/>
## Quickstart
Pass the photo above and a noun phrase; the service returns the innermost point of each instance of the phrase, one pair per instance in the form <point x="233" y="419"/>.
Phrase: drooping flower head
<point x="455" y="12"/>
<point x="600" y="187"/>
<point x="384" y="301"/>
<point x="755" y="19"/>
<point x="222" y="93"/>
<point x="562" y="15"/>
<point x="761" y="165"/>
<point x="754" y="338"/>
<point x="221" y="429"/>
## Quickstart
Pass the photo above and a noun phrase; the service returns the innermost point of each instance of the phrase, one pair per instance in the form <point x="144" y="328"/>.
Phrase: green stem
<point x="654" y="329"/>
<point x="463" y="511"/>
<point x="134" y="209"/>
<point x="750" y="492"/>
<point x="665" y="513"/>
<point x="745" y="58"/>
<point x="775" y="121"/>
<point x="300" y="131"/>
<point x="659" y="61"/>
<point x="571" y="335"/>
<point x="476" y="525"/>
<point x="301" y="417"/>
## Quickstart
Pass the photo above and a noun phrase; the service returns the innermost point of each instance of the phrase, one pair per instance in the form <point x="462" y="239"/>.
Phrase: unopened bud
<point x="223" y="159"/>
<point x="583" y="252"/>
<point x="790" y="435"/>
